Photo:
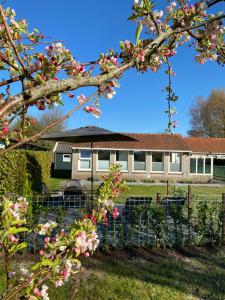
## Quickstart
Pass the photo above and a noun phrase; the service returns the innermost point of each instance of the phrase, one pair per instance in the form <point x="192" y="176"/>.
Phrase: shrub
<point x="148" y="180"/>
<point x="14" y="177"/>
<point x="130" y="180"/>
<point x="22" y="171"/>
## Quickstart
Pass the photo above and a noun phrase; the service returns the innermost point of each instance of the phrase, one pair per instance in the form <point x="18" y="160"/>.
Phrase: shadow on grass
<point x="197" y="272"/>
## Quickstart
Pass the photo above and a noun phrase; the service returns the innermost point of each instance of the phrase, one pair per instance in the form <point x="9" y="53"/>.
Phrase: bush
<point x="148" y="180"/>
<point x="130" y="180"/>
<point x="22" y="171"/>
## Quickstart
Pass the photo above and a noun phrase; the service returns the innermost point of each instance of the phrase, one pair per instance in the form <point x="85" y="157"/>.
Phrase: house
<point x="207" y="158"/>
<point x="149" y="156"/>
<point x="62" y="160"/>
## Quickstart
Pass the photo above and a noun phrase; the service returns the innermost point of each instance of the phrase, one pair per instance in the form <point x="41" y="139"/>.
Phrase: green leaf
<point x="16" y="248"/>
<point x="132" y="18"/>
<point x="138" y="32"/>
<point x="15" y="230"/>
<point x="122" y="47"/>
<point x="147" y="4"/>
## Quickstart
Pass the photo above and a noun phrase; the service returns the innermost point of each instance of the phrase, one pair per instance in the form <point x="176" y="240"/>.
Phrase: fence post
<point x="189" y="211"/>
<point x="158" y="198"/>
<point x="223" y="218"/>
<point x="167" y="188"/>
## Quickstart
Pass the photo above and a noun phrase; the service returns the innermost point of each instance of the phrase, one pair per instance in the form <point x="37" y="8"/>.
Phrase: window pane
<point x="139" y="161"/>
<point x="85" y="164"/>
<point x="175" y="162"/>
<point x="157" y="157"/>
<point x="208" y="166"/>
<point x="193" y="165"/>
<point x="175" y="158"/>
<point x="66" y="157"/>
<point x="85" y="153"/>
<point x="200" y="166"/>
<point x="103" y="155"/>
<point x="103" y="159"/>
<point x="175" y="167"/>
<point x="157" y="162"/>
<point x="122" y="159"/>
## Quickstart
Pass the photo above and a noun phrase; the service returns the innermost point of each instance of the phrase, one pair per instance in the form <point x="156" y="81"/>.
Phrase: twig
<point x="155" y="23"/>
<point x="11" y="39"/>
<point x="76" y="283"/>
<point x="5" y="60"/>
<point x="36" y="136"/>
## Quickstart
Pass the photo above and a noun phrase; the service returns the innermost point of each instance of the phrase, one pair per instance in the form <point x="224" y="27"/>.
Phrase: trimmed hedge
<point x="23" y="171"/>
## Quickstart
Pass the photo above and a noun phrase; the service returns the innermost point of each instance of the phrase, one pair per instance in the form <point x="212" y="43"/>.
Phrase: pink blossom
<point x="13" y="239"/>
<point x="86" y="254"/>
<point x="87" y="109"/>
<point x="41" y="252"/>
<point x="115" y="213"/>
<point x="81" y="99"/>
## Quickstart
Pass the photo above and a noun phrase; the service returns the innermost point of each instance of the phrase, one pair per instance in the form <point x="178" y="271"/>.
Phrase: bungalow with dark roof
<point x="149" y="156"/>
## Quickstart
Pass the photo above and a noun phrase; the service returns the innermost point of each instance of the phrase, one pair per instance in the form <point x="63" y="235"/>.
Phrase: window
<point x="103" y="159"/>
<point x="175" y="162"/>
<point x="139" y="161"/>
<point x="200" y="165"/>
<point x="66" y="157"/>
<point x="157" y="162"/>
<point x="208" y="166"/>
<point x="193" y="162"/>
<point x="85" y="160"/>
<point x="122" y="159"/>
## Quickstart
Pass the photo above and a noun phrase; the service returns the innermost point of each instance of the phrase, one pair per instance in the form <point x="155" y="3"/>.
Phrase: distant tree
<point x="208" y="115"/>
<point x="34" y="125"/>
<point x="31" y="126"/>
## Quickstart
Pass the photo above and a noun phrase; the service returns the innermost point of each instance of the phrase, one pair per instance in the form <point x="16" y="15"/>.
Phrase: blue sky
<point x="91" y="27"/>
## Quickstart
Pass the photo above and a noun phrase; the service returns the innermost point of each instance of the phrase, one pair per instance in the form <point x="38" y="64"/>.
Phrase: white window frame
<point x="181" y="162"/>
<point x="68" y="158"/>
<point x="163" y="155"/>
<point x="103" y="170"/>
<point x="117" y="161"/>
<point x="81" y="158"/>
<point x="196" y="165"/>
<point x="139" y="171"/>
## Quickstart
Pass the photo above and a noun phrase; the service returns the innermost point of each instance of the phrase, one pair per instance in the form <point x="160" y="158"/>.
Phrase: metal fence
<point x="162" y="221"/>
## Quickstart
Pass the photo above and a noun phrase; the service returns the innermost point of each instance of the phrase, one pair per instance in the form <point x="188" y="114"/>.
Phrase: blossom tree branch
<point x="167" y="34"/>
<point x="11" y="40"/>
<point x="53" y="124"/>
<point x="72" y="84"/>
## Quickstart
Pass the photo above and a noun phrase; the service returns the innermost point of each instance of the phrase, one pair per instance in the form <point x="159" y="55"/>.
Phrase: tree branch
<point x="39" y="134"/>
<point x="52" y="86"/>
<point x="11" y="39"/>
<point x="211" y="3"/>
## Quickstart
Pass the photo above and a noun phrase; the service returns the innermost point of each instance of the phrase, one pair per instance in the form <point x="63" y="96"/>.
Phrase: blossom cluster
<point x="47" y="228"/>
<point x="18" y="209"/>
<point x="40" y="293"/>
<point x="108" y="62"/>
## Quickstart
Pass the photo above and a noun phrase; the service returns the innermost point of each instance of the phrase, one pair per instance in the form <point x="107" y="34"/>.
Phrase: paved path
<point x="216" y="183"/>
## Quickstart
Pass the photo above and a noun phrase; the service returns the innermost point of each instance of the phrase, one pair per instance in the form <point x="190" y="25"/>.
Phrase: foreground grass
<point x="149" y="275"/>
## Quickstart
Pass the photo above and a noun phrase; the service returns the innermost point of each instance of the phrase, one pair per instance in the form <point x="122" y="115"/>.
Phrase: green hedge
<point x="23" y="171"/>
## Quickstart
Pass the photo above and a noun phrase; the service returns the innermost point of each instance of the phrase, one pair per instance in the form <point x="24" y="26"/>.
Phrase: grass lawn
<point x="56" y="183"/>
<point x="150" y="274"/>
<point x="152" y="190"/>
<point x="148" y="190"/>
